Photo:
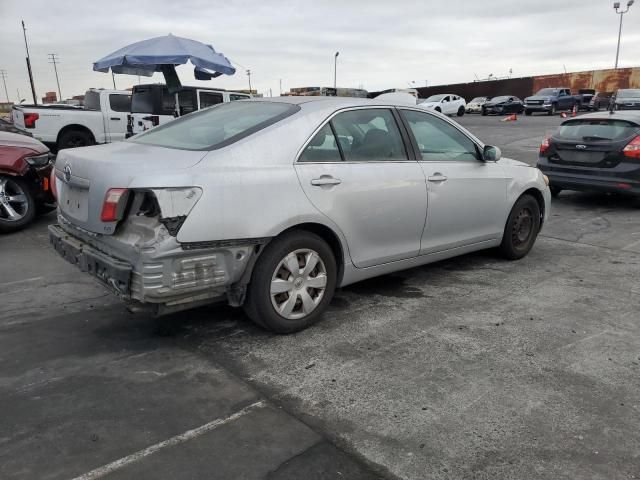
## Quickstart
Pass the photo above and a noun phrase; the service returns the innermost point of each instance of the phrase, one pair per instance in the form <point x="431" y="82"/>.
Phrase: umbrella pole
<point x="177" y="114"/>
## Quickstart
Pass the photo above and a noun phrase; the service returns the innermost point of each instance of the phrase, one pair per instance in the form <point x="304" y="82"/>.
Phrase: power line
<point x="3" y="74"/>
<point x="55" y="59"/>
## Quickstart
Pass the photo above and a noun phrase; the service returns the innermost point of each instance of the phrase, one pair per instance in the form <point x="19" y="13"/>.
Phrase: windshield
<point x="629" y="93"/>
<point x="596" y="129"/>
<point x="547" y="92"/>
<point x="217" y="126"/>
<point x="499" y="99"/>
<point x="92" y="100"/>
<point x="435" y="98"/>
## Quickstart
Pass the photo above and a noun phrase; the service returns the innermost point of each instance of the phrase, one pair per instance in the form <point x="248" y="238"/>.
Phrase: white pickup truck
<point x="102" y="120"/>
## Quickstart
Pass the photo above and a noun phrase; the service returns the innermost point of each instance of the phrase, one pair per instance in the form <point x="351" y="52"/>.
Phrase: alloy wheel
<point x="14" y="203"/>
<point x="298" y="284"/>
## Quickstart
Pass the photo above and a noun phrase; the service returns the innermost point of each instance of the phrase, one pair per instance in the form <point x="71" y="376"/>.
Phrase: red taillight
<point x="30" y="120"/>
<point x="52" y="182"/>
<point x="544" y="146"/>
<point x="632" y="149"/>
<point x="111" y="202"/>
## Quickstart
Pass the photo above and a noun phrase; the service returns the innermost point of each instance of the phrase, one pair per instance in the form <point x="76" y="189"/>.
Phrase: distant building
<point x="326" y="92"/>
<point x="50" y="97"/>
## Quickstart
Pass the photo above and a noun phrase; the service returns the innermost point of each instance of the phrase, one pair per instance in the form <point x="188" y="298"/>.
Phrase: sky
<point x="382" y="44"/>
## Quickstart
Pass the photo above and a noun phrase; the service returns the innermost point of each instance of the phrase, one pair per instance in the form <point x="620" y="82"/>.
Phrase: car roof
<point x="312" y="102"/>
<point x="628" y="115"/>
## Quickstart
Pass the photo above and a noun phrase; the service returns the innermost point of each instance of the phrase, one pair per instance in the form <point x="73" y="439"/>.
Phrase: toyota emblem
<point x="67" y="173"/>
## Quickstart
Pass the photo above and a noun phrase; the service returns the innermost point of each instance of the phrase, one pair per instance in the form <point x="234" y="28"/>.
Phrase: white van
<point x="153" y="105"/>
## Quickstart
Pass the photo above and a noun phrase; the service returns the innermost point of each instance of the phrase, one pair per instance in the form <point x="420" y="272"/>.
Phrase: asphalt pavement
<point x="472" y="368"/>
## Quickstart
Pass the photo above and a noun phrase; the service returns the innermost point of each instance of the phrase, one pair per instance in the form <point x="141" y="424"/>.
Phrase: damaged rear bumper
<point x="160" y="275"/>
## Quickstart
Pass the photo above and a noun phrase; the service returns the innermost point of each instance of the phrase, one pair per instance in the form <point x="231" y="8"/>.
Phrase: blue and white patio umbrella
<point x="163" y="54"/>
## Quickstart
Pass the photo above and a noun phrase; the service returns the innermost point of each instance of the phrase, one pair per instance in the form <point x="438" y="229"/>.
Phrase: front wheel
<point x="460" y="111"/>
<point x="17" y="204"/>
<point x="292" y="283"/>
<point x="484" y="112"/>
<point x="553" y="110"/>
<point x="522" y="228"/>
<point x="555" y="191"/>
<point x="528" y="112"/>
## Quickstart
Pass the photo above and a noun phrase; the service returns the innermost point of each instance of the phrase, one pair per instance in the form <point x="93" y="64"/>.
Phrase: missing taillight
<point x="114" y="204"/>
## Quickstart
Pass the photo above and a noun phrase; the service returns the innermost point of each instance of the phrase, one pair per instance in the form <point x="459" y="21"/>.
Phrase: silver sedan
<point x="272" y="204"/>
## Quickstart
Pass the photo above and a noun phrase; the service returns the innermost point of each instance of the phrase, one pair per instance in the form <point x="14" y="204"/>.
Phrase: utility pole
<point x="3" y="74"/>
<point x="280" y="87"/>
<point x="335" y="69"/>
<point x="26" y="45"/>
<point x="249" y="77"/>
<point x="113" y="78"/>
<point x="616" y="7"/>
<point x="54" y="58"/>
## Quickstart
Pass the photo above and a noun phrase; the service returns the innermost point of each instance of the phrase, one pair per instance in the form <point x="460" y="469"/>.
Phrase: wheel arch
<point x="71" y="127"/>
<point x="329" y="236"/>
<point x="537" y="194"/>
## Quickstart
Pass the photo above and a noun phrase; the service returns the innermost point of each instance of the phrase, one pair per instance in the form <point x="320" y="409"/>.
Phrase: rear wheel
<point x="460" y="111"/>
<point x="292" y="283"/>
<point x="75" y="138"/>
<point x="522" y="228"/>
<point x="484" y="112"/>
<point x="17" y="204"/>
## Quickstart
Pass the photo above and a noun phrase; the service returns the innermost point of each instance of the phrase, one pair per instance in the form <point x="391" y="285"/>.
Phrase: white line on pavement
<point x="183" y="437"/>
<point x="21" y="281"/>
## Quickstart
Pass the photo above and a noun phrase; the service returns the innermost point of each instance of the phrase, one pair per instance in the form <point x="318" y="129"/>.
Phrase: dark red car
<point x="25" y="190"/>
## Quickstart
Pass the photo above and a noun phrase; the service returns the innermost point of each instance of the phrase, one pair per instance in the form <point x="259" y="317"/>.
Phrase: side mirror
<point x="491" y="153"/>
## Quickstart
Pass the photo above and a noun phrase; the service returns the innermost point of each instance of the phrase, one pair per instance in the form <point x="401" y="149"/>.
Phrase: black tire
<point x="527" y="112"/>
<point x="555" y="191"/>
<point x="522" y="228"/>
<point x="258" y="304"/>
<point x="75" y="138"/>
<point x="26" y="216"/>
<point x="554" y="109"/>
<point x="44" y="208"/>
<point x="460" y="111"/>
<point x="484" y="112"/>
<point x="438" y="109"/>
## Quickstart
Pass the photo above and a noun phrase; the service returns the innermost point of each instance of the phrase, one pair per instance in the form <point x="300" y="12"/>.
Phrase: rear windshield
<point x="595" y="130"/>
<point x="631" y="93"/>
<point x="142" y="101"/>
<point x="217" y="126"/>
<point x="92" y="101"/>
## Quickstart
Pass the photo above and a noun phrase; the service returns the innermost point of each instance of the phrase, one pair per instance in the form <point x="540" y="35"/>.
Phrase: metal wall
<point x="600" y="80"/>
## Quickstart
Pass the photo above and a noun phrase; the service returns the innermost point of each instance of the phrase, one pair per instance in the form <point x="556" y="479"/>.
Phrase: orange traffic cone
<point x="574" y="112"/>
<point x="510" y="118"/>
<point x="563" y="115"/>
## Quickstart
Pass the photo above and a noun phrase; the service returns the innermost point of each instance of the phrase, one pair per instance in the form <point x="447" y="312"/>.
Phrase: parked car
<point x="585" y="95"/>
<point x="550" y="101"/>
<point x="102" y="120"/>
<point x="11" y="128"/>
<point x="25" y="166"/>
<point x="153" y="105"/>
<point x="446" y="103"/>
<point x="596" y="151"/>
<point x="274" y="203"/>
<point x="600" y="101"/>
<point x="627" y="99"/>
<point x="475" y="105"/>
<point x="502" y="105"/>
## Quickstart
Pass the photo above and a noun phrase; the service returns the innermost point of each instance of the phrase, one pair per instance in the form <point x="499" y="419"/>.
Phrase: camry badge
<point x="581" y="147"/>
<point x="67" y="173"/>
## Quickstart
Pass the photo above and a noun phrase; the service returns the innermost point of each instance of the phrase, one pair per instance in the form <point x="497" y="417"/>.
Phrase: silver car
<point x="274" y="203"/>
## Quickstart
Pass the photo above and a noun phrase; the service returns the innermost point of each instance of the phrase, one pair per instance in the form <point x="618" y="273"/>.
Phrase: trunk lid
<point x="84" y="175"/>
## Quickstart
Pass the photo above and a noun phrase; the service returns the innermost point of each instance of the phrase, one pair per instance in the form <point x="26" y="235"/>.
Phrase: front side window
<point x="209" y="99"/>
<point x="218" y="126"/>
<point x="437" y="140"/>
<point x="369" y="135"/>
<point x="322" y="148"/>
<point x="120" y="103"/>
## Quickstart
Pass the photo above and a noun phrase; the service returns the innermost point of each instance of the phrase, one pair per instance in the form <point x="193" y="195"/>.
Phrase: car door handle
<point x="114" y="118"/>
<point x="325" y="180"/>
<point x="437" y="177"/>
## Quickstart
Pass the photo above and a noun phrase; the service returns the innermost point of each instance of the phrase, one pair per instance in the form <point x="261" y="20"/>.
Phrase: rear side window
<point x="595" y="129"/>
<point x="142" y="100"/>
<point x="369" y="135"/>
<point x="218" y="126"/>
<point x="322" y="147"/>
<point x="236" y="96"/>
<point x="120" y="103"/>
<point x="209" y="99"/>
